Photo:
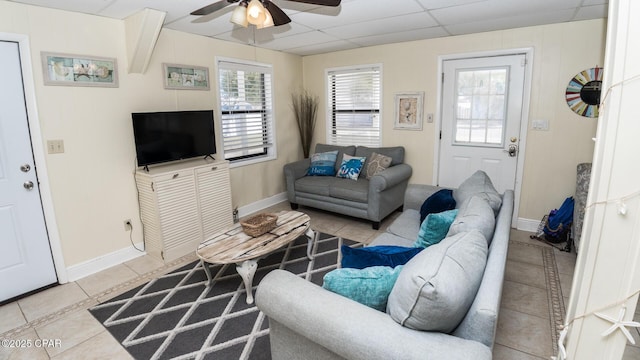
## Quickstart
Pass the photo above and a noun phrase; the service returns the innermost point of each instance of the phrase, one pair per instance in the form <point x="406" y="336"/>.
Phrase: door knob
<point x="25" y="168"/>
<point x="28" y="185"/>
<point x="512" y="150"/>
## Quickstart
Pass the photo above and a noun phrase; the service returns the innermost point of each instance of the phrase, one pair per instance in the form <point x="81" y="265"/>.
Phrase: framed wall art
<point x="583" y="92"/>
<point x="408" y="113"/>
<point x="185" y="77"/>
<point x="79" y="70"/>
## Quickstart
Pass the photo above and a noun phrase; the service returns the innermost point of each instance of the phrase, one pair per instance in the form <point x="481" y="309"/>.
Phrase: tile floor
<point x="60" y="312"/>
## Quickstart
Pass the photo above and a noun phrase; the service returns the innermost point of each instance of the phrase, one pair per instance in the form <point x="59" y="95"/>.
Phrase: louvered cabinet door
<point x="213" y="186"/>
<point x="178" y="213"/>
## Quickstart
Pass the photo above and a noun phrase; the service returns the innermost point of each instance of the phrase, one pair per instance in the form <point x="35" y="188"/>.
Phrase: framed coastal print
<point x="79" y="70"/>
<point x="185" y="77"/>
<point x="408" y="113"/>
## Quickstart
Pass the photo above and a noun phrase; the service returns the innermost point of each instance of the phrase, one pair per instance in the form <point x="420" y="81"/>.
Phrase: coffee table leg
<point x="207" y="271"/>
<point x="247" y="270"/>
<point x="312" y="236"/>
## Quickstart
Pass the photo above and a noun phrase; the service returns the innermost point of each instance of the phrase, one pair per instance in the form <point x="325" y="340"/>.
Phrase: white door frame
<point x="524" y="125"/>
<point x="39" y="152"/>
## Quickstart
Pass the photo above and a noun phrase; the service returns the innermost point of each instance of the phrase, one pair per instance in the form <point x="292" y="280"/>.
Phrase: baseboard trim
<point x="103" y="262"/>
<point x="529" y="225"/>
<point x="261" y="204"/>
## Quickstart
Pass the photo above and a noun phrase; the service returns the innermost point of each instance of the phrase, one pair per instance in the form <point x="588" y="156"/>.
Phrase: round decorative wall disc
<point x="583" y="92"/>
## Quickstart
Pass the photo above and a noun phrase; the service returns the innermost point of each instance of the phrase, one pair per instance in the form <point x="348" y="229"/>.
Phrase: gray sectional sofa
<point x="372" y="199"/>
<point x="309" y="322"/>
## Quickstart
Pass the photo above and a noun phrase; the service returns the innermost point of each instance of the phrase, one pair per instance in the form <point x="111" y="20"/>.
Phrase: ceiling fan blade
<point x="279" y="17"/>
<point x="319" y="2"/>
<point x="211" y="8"/>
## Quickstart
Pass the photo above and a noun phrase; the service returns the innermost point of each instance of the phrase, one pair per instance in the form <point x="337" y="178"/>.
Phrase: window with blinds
<point x="246" y="106"/>
<point x="354" y="106"/>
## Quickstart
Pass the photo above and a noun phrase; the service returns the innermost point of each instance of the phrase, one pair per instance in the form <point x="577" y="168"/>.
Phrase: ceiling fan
<point x="261" y="13"/>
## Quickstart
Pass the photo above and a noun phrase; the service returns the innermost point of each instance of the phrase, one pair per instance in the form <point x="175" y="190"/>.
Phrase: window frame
<point x="224" y="63"/>
<point x="330" y="106"/>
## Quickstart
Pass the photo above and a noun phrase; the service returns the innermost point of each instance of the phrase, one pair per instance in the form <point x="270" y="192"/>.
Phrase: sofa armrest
<point x="390" y="177"/>
<point x="349" y="329"/>
<point x="292" y="172"/>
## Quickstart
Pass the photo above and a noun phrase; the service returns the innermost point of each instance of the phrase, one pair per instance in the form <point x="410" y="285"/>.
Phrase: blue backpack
<point x="558" y="222"/>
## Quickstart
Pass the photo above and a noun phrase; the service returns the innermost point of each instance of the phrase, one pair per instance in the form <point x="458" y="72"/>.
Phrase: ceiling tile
<point x="83" y="6"/>
<point x="355" y="11"/>
<point x="417" y="34"/>
<point x="437" y="4"/>
<point x="510" y="22"/>
<point x="121" y="9"/>
<point x="592" y="12"/>
<point x="383" y="26"/>
<point x="298" y="40"/>
<point x="322" y="48"/>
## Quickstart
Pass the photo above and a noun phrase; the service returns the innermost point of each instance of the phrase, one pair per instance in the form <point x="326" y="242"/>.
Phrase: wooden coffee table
<point x="233" y="246"/>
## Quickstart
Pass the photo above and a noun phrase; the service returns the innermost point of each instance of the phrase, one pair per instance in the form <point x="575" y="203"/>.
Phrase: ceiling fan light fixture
<point x="256" y="13"/>
<point x="239" y="15"/>
<point x="268" y="21"/>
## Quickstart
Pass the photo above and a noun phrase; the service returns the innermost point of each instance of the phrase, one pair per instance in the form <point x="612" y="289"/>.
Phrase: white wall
<point x="560" y="52"/>
<point x="92" y="182"/>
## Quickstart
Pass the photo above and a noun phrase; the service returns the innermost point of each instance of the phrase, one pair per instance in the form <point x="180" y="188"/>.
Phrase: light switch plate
<point x="55" y="146"/>
<point x="540" y="124"/>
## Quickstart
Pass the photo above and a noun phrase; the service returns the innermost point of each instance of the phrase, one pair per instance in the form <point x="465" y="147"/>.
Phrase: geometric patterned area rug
<point x="177" y="316"/>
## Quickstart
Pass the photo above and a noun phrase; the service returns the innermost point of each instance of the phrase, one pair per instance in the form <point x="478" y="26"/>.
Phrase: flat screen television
<point x="173" y="135"/>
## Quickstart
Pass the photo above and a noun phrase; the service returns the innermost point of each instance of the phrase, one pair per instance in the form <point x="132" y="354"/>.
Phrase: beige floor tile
<point x="526" y="254"/>
<point x="51" y="300"/>
<point x="101" y="346"/>
<point x="527" y="333"/>
<point x="504" y="353"/>
<point x="566" y="262"/>
<point x="144" y="264"/>
<point x="24" y="347"/>
<point x="357" y="231"/>
<point x="11" y="317"/>
<point x="525" y="299"/>
<point x="71" y="330"/>
<point x="99" y="282"/>
<point x="525" y="274"/>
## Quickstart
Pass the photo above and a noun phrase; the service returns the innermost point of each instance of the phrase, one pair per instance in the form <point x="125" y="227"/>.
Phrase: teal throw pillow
<point x="370" y="286"/>
<point x="382" y="255"/>
<point x="351" y="167"/>
<point x="434" y="228"/>
<point x="323" y="164"/>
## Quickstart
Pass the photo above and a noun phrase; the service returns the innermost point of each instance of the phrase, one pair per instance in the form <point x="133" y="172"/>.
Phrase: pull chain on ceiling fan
<point x="261" y="13"/>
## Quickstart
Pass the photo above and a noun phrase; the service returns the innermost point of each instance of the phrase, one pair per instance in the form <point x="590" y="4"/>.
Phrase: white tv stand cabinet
<point x="182" y="204"/>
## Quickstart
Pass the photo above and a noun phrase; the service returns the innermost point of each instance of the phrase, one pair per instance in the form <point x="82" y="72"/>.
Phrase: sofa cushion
<point x="441" y="200"/>
<point x="351" y="167"/>
<point x="434" y="228"/>
<point x="323" y="164"/>
<point x="396" y="153"/>
<point x="475" y="213"/>
<point x="407" y="225"/>
<point x="349" y="150"/>
<point x="391" y="239"/>
<point x="384" y="255"/>
<point x="319" y="185"/>
<point x="350" y="190"/>
<point x="370" y="286"/>
<point x="376" y="163"/>
<point x="436" y="288"/>
<point x="478" y="184"/>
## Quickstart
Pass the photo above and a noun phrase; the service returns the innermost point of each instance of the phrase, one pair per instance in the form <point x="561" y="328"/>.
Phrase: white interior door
<point x="26" y="262"/>
<point x="482" y="101"/>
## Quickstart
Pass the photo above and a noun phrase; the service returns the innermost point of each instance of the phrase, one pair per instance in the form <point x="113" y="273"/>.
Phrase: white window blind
<point x="354" y="108"/>
<point x="247" y="110"/>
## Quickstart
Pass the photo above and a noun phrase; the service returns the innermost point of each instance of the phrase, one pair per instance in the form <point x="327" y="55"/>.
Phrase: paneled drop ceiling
<point x="355" y="23"/>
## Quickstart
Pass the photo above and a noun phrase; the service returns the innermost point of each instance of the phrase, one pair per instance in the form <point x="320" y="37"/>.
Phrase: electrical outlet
<point x="127" y="225"/>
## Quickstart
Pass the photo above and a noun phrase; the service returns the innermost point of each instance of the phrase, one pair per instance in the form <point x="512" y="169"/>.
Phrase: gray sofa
<point x="372" y="199"/>
<point x="309" y="322"/>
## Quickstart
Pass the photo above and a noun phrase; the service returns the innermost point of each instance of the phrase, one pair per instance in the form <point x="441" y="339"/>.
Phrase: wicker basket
<point x="259" y="224"/>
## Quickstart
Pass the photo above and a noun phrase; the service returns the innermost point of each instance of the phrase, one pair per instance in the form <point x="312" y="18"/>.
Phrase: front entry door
<point x="26" y="262"/>
<point x="481" y="115"/>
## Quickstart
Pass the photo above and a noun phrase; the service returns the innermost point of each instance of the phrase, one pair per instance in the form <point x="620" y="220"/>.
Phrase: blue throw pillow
<point x="323" y="164"/>
<point x="351" y="167"/>
<point x="384" y="255"/>
<point x="434" y="228"/>
<point x="370" y="286"/>
<point x="440" y="201"/>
